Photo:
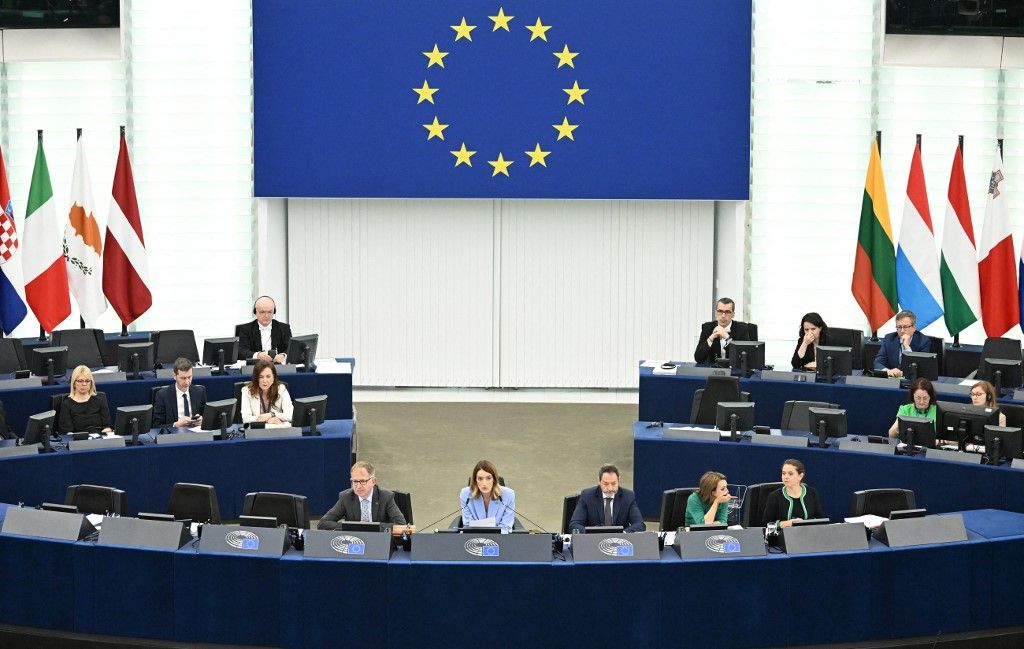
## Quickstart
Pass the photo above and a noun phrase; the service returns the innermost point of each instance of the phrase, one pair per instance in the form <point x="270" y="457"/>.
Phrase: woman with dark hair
<point x="922" y="404"/>
<point x="710" y="503"/>
<point x="813" y="332"/>
<point x="485" y="498"/>
<point x="265" y="399"/>
<point x="795" y="501"/>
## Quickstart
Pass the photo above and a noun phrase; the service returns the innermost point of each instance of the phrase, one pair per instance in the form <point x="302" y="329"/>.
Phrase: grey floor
<point x="543" y="450"/>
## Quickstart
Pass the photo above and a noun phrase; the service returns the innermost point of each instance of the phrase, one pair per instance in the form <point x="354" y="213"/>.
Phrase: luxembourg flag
<point x="995" y="253"/>
<point x="917" y="265"/>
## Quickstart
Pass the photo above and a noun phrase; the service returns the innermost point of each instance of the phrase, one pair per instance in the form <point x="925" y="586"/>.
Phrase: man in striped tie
<point x="365" y="501"/>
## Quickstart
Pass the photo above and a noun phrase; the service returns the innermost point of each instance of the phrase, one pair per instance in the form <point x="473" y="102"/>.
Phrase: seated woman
<point x="486" y="498"/>
<point x="710" y="503"/>
<point x="795" y="501"/>
<point x="922" y="404"/>
<point x="813" y="332"/>
<point x="266" y="399"/>
<point x="82" y="409"/>
<point x="983" y="393"/>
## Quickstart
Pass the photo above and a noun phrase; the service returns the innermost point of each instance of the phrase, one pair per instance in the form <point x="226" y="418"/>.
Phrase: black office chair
<point x="881" y="502"/>
<point x="852" y="338"/>
<point x="152" y="393"/>
<point x="795" y="415"/>
<point x="937" y="346"/>
<point x="85" y="346"/>
<point x="172" y="344"/>
<point x="289" y="509"/>
<point x="12" y="356"/>
<point x="754" y="499"/>
<point x="1014" y="414"/>
<point x="568" y="507"/>
<point x="195" y="502"/>
<point x="94" y="499"/>
<point x="705" y="400"/>
<point x="752" y="328"/>
<point x="403" y="499"/>
<point x="673" y="508"/>
<point x="1007" y="349"/>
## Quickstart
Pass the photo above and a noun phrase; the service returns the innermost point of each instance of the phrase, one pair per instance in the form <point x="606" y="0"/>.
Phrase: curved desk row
<point x="292" y="601"/>
<point x="940" y="486"/>
<point x="316" y="467"/>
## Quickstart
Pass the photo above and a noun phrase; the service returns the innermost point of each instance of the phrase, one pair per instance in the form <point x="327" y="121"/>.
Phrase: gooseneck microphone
<point x="430" y="525"/>
<point x="531" y="522"/>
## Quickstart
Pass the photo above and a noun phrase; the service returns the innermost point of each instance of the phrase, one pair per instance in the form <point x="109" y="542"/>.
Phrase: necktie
<point x="364" y="507"/>
<point x="607" y="511"/>
<point x="184" y="400"/>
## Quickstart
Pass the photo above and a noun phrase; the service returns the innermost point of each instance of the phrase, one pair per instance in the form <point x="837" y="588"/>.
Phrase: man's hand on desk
<point x="185" y="422"/>
<point x="399" y="530"/>
<point x="894" y="372"/>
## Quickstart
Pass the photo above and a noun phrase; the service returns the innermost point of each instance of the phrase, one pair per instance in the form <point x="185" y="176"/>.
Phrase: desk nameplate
<point x="18" y="451"/>
<point x="867" y="447"/>
<point x="621" y="546"/>
<point x="872" y="381"/>
<point x="14" y="384"/>
<point x="778" y="375"/>
<point x="109" y="377"/>
<point x="721" y="544"/>
<point x="901" y="533"/>
<point x="273" y="433"/>
<point x="779" y="440"/>
<point x="137" y="533"/>
<point x="346" y="546"/>
<point x="952" y="456"/>
<point x="840" y="537"/>
<point x="951" y="388"/>
<point x="692" y="434"/>
<point x="97" y="443"/>
<point x="691" y="370"/>
<point x="483" y="548"/>
<point x="235" y="539"/>
<point x="185" y="438"/>
<point x="25" y="521"/>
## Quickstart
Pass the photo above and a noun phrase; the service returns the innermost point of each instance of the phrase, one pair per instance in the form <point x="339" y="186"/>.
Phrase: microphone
<point x="513" y="510"/>
<point x="426" y="527"/>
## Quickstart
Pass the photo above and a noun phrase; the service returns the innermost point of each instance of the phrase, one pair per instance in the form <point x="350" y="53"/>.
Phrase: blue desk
<point x="296" y="602"/>
<point x="316" y="467"/>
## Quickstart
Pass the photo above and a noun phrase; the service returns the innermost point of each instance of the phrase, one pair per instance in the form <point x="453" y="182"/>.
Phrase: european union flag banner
<point x="531" y="99"/>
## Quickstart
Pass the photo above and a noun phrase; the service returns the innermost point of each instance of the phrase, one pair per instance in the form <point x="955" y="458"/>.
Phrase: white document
<point x="870" y="521"/>
<point x="652" y="363"/>
<point x="483" y="522"/>
<point x="95" y="519"/>
<point x="332" y="366"/>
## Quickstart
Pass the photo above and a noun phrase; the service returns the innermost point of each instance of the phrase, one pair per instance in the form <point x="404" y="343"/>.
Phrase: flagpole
<point x="124" y="327"/>
<point x="878" y="141"/>
<point x="42" y="332"/>
<point x="960" y="145"/>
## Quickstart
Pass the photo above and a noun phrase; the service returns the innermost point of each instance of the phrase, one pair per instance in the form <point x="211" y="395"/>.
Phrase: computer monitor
<point x="360" y="526"/>
<point x="220" y="352"/>
<point x="39" y="428"/>
<point x="707" y="527"/>
<point x="309" y="411"/>
<point x="130" y="421"/>
<point x="1002" y="373"/>
<point x="49" y="362"/>
<point x="745" y="356"/>
<point x="257" y="521"/>
<point x="153" y="516"/>
<point x="832" y="362"/>
<point x="963" y="423"/>
<point x="489" y="529"/>
<point x="916" y="431"/>
<point x="735" y="416"/>
<point x="919" y="365"/>
<point x="898" y="514"/>
<point x="827" y="422"/>
<point x="810" y="521"/>
<point x="1002" y="444"/>
<point x="602" y="529"/>
<point x="218" y="415"/>
<point x="302" y="351"/>
<point x="135" y="358"/>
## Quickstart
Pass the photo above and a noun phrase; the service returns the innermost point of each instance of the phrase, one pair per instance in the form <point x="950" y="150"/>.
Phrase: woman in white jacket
<point x="265" y="399"/>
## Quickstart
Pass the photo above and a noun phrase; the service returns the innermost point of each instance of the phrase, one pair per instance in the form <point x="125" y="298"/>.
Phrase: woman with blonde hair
<point x="83" y="409"/>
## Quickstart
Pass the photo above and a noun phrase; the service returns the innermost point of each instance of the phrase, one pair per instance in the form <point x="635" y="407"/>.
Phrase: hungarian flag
<point x="996" y="272"/>
<point x="12" y="283"/>
<point x="874" y="268"/>
<point x="83" y="245"/>
<point x="917" y="265"/>
<point x="125" y="269"/>
<point x="46" y="277"/>
<point x="958" y="265"/>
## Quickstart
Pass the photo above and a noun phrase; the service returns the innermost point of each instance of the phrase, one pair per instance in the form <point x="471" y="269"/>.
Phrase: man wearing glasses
<point x="716" y="335"/>
<point x="263" y="335"/>
<point x="365" y="501"/>
<point x="906" y="338"/>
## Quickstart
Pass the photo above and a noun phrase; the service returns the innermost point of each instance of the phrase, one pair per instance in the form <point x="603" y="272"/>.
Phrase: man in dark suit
<point x="607" y="504"/>
<point x="180" y="404"/>
<point x="365" y="501"/>
<point x="716" y="335"/>
<point x="906" y="338"/>
<point x="264" y="334"/>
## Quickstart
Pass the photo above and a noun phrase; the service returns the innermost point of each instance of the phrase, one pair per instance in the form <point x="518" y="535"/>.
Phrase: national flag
<point x="996" y="272"/>
<point x="12" y="283"/>
<point x="958" y="266"/>
<point x="83" y="245"/>
<point x="125" y="268"/>
<point x="46" y="276"/>
<point x="917" y="265"/>
<point x="874" y="268"/>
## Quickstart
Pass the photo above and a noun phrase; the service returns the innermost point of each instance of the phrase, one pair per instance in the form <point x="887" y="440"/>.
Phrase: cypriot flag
<point x="83" y="245"/>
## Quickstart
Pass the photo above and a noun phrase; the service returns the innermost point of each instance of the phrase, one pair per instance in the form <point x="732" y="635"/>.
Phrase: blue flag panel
<point x="531" y="99"/>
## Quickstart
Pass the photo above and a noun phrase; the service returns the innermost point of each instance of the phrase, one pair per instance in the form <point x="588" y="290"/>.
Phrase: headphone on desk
<point x="260" y="298"/>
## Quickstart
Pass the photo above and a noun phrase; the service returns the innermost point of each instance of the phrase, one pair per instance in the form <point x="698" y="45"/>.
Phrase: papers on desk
<point x="652" y="363"/>
<point x="483" y="522"/>
<point x="870" y="521"/>
<point x="95" y="519"/>
<point x="332" y="366"/>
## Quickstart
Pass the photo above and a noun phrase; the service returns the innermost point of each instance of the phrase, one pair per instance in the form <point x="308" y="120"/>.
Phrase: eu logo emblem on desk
<point x="243" y="540"/>
<point x="347" y="544"/>
<point x="482" y="547"/>
<point x="490" y="550"/>
<point x="614" y="546"/>
<point x="722" y="544"/>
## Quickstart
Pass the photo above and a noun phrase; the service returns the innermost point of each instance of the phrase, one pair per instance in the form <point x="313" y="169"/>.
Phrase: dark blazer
<point x="799" y="361"/>
<point x="888" y="356"/>
<point x="590" y="511"/>
<point x="249" y="341"/>
<point x="165" y="406"/>
<point x="92" y="415"/>
<point x="705" y="353"/>
<point x="383" y="509"/>
<point x="776" y="507"/>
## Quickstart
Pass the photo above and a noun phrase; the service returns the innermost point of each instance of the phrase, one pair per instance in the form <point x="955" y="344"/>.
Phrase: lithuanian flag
<point x="874" y="268"/>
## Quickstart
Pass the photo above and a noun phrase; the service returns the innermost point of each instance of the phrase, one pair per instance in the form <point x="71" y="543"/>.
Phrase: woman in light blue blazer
<point x="486" y="498"/>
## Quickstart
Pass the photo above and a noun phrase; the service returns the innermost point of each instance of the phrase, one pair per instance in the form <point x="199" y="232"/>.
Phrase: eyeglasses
<point x="904" y="327"/>
<point x="83" y="380"/>
<point x="360" y="483"/>
<point x="721" y="312"/>
<point x="978" y="394"/>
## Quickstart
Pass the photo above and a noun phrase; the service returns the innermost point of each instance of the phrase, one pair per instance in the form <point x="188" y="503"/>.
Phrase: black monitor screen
<point x="360" y="526"/>
<point x="1000" y="372"/>
<point x="1002" y="444"/>
<point x="49" y="361"/>
<point x="964" y="423"/>
<point x="309" y="412"/>
<point x="919" y="365"/>
<point x="482" y="530"/>
<point x="827" y="422"/>
<point x="740" y="413"/>
<point x="603" y="529"/>
<point x="916" y="431"/>
<point x="302" y="349"/>
<point x="218" y="415"/>
<point x="220" y="351"/>
<point x="257" y="521"/>
<point x="810" y="521"/>
<point x="832" y="362"/>
<point x="39" y="428"/>
<point x="133" y="358"/>
<point x="745" y="356"/>
<point x="132" y="421"/>
<point x="897" y="514"/>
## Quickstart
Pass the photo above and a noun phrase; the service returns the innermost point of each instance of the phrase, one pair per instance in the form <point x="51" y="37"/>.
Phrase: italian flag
<point x="874" y="268"/>
<point x="46" y="276"/>
<point x="958" y="265"/>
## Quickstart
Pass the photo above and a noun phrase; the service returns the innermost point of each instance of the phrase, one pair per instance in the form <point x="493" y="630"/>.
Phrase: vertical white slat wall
<point x="500" y="293"/>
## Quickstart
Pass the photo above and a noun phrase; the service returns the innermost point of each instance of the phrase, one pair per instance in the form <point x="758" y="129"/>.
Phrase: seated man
<point x="716" y="335"/>
<point x="263" y="334"/>
<point x="906" y="338"/>
<point x="607" y="504"/>
<point x="180" y="404"/>
<point x="365" y="501"/>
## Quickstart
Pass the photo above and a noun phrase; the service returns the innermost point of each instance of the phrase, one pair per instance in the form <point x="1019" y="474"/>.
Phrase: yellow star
<point x="426" y="93"/>
<point x="500" y="165"/>
<point x="462" y="30"/>
<point x="537" y="156"/>
<point x="501" y="20"/>
<point x="565" y="129"/>
<point x="436" y="129"/>
<point x="538" y="31"/>
<point x="436" y="57"/>
<point x="462" y="156"/>
<point x="575" y="93"/>
<point x="565" y="57"/>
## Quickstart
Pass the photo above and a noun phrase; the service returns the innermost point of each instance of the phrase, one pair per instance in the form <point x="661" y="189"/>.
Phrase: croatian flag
<point x="12" y="284"/>
<point x="917" y="265"/>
